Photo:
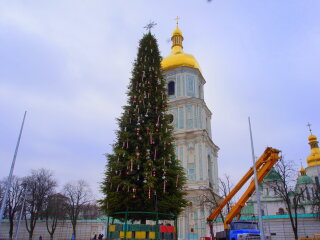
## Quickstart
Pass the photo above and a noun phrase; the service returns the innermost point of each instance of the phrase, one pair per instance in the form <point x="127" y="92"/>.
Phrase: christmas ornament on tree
<point x="144" y="140"/>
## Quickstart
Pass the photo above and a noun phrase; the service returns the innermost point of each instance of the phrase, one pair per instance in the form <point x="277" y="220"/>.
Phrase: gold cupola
<point x="302" y="171"/>
<point x="177" y="57"/>
<point x="314" y="158"/>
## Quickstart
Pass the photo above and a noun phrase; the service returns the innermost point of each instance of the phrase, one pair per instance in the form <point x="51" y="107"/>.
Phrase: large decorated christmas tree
<point x="142" y="173"/>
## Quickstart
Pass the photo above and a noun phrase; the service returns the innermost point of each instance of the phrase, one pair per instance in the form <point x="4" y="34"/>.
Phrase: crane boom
<point x="263" y="166"/>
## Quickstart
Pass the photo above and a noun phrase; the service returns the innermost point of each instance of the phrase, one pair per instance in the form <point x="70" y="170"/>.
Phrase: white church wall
<point x="185" y="117"/>
<point x="85" y="230"/>
<point x="192" y="145"/>
<point x="314" y="173"/>
<point x="201" y="164"/>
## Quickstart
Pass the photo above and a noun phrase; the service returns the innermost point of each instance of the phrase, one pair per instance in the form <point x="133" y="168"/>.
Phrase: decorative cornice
<point x="200" y="134"/>
<point x="191" y="100"/>
<point x="184" y="69"/>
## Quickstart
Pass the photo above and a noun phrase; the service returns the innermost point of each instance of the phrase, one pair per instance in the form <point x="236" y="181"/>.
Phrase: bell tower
<point x="313" y="160"/>
<point x="194" y="147"/>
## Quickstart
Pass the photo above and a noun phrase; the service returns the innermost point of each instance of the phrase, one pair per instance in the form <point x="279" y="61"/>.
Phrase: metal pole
<point x="21" y="213"/>
<point x="257" y="185"/>
<point x="4" y="200"/>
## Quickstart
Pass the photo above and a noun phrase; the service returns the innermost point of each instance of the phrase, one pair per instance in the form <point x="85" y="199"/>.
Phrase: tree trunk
<point x="11" y="229"/>
<point x="74" y="229"/>
<point x="51" y="236"/>
<point x="30" y="235"/>
<point x="295" y="230"/>
<point x="294" y="226"/>
<point x="296" y="235"/>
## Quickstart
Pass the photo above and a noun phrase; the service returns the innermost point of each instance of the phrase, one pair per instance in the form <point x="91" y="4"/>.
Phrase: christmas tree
<point x="142" y="173"/>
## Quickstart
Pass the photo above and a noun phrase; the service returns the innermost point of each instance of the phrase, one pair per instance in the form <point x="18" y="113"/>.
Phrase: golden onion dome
<point x="177" y="57"/>
<point x="302" y="171"/>
<point x="314" y="158"/>
<point x="312" y="138"/>
<point x="177" y="31"/>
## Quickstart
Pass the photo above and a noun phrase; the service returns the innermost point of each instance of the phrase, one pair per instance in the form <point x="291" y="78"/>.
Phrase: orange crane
<point x="263" y="165"/>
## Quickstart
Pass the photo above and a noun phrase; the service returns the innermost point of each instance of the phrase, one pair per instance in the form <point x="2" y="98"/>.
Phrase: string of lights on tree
<point x="143" y="163"/>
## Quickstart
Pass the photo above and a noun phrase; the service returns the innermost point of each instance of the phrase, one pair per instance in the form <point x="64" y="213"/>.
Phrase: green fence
<point x="121" y="226"/>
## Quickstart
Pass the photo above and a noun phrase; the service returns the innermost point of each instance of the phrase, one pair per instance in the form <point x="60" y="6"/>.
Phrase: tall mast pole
<point x="257" y="185"/>
<point x="4" y="200"/>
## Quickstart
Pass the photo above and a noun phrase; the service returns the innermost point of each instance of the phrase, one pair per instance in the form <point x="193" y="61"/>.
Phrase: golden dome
<point x="312" y="138"/>
<point x="179" y="60"/>
<point x="302" y="171"/>
<point x="314" y="158"/>
<point x="177" y="31"/>
<point x="177" y="57"/>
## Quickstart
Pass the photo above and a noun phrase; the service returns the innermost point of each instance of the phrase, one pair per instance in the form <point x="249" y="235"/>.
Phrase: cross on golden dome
<point x="309" y="126"/>
<point x="177" y="57"/>
<point x="177" y="19"/>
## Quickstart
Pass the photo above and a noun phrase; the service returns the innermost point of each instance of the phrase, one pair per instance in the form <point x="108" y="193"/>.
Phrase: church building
<point x="191" y="119"/>
<point x="274" y="210"/>
<point x="307" y="182"/>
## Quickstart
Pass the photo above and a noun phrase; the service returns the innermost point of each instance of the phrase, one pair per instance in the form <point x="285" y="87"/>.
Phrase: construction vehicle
<point x="240" y="230"/>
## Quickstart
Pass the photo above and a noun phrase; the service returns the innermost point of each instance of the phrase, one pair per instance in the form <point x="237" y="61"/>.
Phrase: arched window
<point x="171" y="88"/>
<point x="281" y="211"/>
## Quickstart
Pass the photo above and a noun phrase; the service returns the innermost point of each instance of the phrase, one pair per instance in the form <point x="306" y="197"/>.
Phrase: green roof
<point x="304" y="179"/>
<point x="273" y="175"/>
<point x="248" y="209"/>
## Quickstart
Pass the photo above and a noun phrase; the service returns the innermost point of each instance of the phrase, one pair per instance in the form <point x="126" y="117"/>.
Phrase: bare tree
<point x="55" y="210"/>
<point x="39" y="186"/>
<point x="78" y="196"/>
<point x="285" y="189"/>
<point x="212" y="200"/>
<point x="14" y="200"/>
<point x="225" y="187"/>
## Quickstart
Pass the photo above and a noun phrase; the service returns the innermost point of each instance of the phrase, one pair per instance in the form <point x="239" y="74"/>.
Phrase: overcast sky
<point x="68" y="63"/>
